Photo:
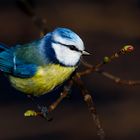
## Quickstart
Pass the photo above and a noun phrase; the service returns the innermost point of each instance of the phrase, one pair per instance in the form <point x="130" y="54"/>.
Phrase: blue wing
<point x="35" y="52"/>
<point x="11" y="65"/>
<point x="23" y="60"/>
<point x="32" y="53"/>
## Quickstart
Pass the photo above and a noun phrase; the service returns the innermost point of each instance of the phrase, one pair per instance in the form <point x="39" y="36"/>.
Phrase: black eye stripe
<point x="72" y="47"/>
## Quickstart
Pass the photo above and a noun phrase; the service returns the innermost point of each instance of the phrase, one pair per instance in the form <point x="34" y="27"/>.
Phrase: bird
<point x="38" y="67"/>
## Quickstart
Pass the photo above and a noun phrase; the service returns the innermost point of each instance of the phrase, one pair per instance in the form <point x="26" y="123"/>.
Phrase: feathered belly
<point x="45" y="79"/>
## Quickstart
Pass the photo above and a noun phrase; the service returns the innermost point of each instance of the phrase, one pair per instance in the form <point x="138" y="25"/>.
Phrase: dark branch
<point x="91" y="106"/>
<point x="62" y="96"/>
<point x="90" y="68"/>
<point x="118" y="80"/>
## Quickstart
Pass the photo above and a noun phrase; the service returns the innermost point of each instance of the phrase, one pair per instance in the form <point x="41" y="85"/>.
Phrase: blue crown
<point x="65" y="33"/>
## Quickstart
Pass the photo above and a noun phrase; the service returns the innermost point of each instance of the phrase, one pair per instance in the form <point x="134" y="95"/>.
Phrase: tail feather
<point x="6" y="58"/>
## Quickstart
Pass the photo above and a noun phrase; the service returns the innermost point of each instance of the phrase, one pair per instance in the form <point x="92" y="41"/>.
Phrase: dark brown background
<point x="105" y="26"/>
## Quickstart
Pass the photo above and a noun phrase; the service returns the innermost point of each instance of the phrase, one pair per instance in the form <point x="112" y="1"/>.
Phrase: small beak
<point x="85" y="53"/>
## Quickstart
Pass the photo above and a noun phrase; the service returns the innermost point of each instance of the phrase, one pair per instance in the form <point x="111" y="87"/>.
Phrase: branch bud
<point x="127" y="49"/>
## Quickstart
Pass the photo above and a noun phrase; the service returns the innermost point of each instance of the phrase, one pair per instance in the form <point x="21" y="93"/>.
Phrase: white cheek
<point x="65" y="55"/>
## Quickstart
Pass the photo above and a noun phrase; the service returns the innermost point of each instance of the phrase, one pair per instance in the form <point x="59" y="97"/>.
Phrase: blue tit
<point x="38" y="67"/>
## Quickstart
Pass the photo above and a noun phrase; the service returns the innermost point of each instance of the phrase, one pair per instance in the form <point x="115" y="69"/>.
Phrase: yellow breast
<point x="45" y="79"/>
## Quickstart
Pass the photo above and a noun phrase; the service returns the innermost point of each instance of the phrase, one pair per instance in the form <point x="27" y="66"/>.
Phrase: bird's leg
<point x="45" y="111"/>
<point x="32" y="99"/>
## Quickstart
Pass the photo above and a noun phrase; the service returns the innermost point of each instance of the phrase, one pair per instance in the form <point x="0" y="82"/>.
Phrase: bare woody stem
<point x="91" y="106"/>
<point x="41" y="24"/>
<point x="87" y="98"/>
<point x="62" y="96"/>
<point x="125" y="50"/>
<point x="118" y="80"/>
<point x="106" y="60"/>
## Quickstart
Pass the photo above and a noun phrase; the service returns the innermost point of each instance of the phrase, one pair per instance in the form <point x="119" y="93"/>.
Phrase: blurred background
<point x="105" y="26"/>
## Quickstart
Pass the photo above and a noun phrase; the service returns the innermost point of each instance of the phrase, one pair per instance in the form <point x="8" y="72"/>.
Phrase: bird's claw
<point x="43" y="112"/>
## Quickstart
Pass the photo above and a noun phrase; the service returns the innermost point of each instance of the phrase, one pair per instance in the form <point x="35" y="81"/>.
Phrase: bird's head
<point x="68" y="46"/>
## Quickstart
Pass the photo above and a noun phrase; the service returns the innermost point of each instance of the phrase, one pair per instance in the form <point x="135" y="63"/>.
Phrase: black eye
<point x="72" y="47"/>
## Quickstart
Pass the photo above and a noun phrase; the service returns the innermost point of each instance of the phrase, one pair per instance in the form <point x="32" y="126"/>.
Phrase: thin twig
<point x="90" y="69"/>
<point x="62" y="96"/>
<point x="41" y="24"/>
<point x="91" y="106"/>
<point x="106" y="60"/>
<point x="45" y="111"/>
<point x="118" y="80"/>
